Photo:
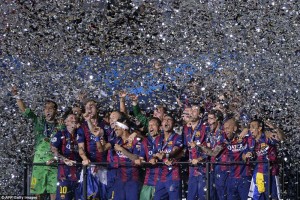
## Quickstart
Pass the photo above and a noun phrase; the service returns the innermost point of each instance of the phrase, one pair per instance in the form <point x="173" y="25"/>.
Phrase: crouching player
<point x="265" y="150"/>
<point x="65" y="148"/>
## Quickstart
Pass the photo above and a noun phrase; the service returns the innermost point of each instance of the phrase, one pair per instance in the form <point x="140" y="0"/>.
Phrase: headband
<point x="121" y="125"/>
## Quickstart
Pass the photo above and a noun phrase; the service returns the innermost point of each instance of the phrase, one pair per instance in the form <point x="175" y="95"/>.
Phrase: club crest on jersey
<point x="150" y="153"/>
<point x="129" y="145"/>
<point x="138" y="147"/>
<point x="54" y="139"/>
<point x="263" y="145"/>
<point x="198" y="133"/>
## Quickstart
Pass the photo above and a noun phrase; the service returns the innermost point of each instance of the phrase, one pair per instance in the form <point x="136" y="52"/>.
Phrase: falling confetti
<point x="194" y="50"/>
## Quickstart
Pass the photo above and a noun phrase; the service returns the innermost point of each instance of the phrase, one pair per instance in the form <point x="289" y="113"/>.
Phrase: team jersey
<point x="265" y="150"/>
<point x="67" y="146"/>
<point x="212" y="139"/>
<point x="152" y="172"/>
<point x="126" y="169"/>
<point x="43" y="131"/>
<point x="197" y="135"/>
<point x="85" y="136"/>
<point x="168" y="173"/>
<point x="236" y="148"/>
<point x="223" y="156"/>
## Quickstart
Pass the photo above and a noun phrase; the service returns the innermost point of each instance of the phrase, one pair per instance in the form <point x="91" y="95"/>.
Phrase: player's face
<point x="50" y="111"/>
<point x="194" y="114"/>
<point x="186" y="115"/>
<point x="159" y="113"/>
<point x="118" y="130"/>
<point x="153" y="127"/>
<point x="91" y="108"/>
<point x="114" y="116"/>
<point x="212" y="121"/>
<point x="254" y="129"/>
<point x="229" y="129"/>
<point x="168" y="124"/>
<point x="71" y="122"/>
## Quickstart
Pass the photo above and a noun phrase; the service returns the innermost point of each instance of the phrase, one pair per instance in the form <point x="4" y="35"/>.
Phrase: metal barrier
<point x="144" y="164"/>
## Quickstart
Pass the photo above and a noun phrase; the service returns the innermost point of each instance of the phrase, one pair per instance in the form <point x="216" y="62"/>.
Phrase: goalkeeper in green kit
<point x="44" y="178"/>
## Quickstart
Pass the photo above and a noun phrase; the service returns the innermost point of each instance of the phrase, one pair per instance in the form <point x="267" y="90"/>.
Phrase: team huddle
<point x="141" y="158"/>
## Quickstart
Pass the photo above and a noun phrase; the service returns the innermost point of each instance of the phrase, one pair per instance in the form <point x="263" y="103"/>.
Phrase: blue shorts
<point x="238" y="188"/>
<point x="67" y="190"/>
<point x="168" y="190"/>
<point x="196" y="187"/>
<point x="221" y="179"/>
<point x="129" y="190"/>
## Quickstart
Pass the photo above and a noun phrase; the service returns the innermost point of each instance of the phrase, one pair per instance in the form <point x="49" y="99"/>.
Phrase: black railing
<point x="145" y="164"/>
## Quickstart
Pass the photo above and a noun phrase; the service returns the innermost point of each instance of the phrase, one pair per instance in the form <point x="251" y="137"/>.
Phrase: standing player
<point x="235" y="149"/>
<point x="166" y="149"/>
<point x="195" y="135"/>
<point x="43" y="178"/>
<point x="147" y="148"/>
<point x="127" y="185"/>
<point x="88" y="143"/>
<point x="65" y="148"/>
<point x="265" y="149"/>
<point x="214" y="134"/>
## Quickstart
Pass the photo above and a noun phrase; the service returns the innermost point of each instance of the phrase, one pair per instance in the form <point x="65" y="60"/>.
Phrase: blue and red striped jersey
<point x="152" y="172"/>
<point x="85" y="136"/>
<point x="265" y="150"/>
<point x="236" y="148"/>
<point x="67" y="146"/>
<point x="127" y="171"/>
<point x="168" y="173"/>
<point x="199" y="136"/>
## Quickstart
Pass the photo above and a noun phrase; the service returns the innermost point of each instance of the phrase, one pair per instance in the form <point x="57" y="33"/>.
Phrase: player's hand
<point x="269" y="124"/>
<point x="81" y="96"/>
<point x="87" y="116"/>
<point x="122" y="94"/>
<point x="169" y="162"/>
<point x="98" y="132"/>
<point x="69" y="162"/>
<point x="131" y="137"/>
<point x="118" y="147"/>
<point x="139" y="161"/>
<point x="243" y="133"/>
<point x="49" y="162"/>
<point x="60" y="121"/>
<point x="153" y="161"/>
<point x="192" y="144"/>
<point x="272" y="136"/>
<point x="86" y="162"/>
<point x="14" y="90"/>
<point x="160" y="155"/>
<point x="248" y="155"/>
<point x="194" y="161"/>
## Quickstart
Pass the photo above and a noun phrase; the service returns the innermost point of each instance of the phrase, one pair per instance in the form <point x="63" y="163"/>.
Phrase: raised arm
<point x="122" y="96"/>
<point x="276" y="132"/>
<point x="20" y="102"/>
<point x="137" y="111"/>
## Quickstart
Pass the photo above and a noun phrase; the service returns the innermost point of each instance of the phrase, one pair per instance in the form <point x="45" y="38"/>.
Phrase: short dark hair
<point x="53" y="102"/>
<point x="259" y="122"/>
<point x="157" y="120"/>
<point x="218" y="114"/>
